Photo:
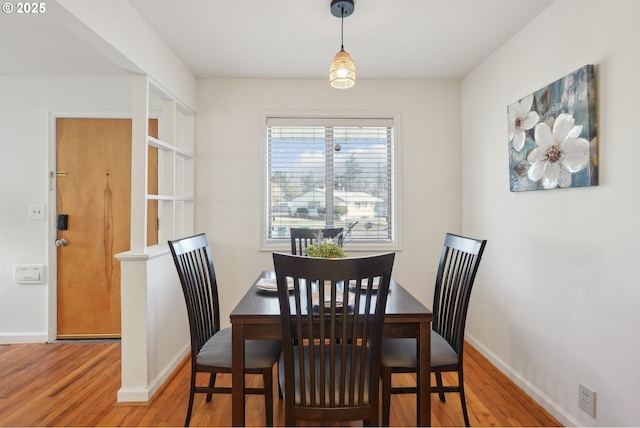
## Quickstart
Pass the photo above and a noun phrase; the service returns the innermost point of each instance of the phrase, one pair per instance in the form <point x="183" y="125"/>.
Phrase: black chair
<point x="456" y="273"/>
<point x="302" y="238"/>
<point x="211" y="345"/>
<point x="331" y="351"/>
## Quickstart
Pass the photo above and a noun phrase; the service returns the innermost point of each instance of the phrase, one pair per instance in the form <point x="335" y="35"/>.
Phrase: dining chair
<point x="332" y="323"/>
<point x="456" y="273"/>
<point x="211" y="345"/>
<point x="302" y="238"/>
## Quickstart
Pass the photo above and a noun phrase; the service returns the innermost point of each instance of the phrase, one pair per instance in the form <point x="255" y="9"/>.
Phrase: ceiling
<point x="387" y="39"/>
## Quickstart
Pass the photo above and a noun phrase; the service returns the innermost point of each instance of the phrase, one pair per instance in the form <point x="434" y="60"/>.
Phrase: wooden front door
<point x="93" y="188"/>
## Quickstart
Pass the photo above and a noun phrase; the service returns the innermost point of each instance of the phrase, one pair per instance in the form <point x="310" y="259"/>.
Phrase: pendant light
<point x="342" y="73"/>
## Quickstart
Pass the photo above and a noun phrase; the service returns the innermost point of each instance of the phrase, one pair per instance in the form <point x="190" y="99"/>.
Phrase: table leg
<point x="424" y="375"/>
<point x="237" y="375"/>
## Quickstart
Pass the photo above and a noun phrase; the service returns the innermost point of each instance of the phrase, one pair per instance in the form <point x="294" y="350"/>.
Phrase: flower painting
<point x="552" y="135"/>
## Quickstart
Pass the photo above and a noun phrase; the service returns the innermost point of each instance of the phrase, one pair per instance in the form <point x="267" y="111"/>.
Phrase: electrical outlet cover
<point x="36" y="212"/>
<point x="587" y="400"/>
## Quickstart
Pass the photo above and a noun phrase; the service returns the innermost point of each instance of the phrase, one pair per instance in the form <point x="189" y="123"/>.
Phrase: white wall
<point x="229" y="175"/>
<point x="27" y="104"/>
<point x="556" y="302"/>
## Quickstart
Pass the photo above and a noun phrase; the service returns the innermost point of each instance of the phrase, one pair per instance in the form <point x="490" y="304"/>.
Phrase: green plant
<point x="329" y="248"/>
<point x="325" y="249"/>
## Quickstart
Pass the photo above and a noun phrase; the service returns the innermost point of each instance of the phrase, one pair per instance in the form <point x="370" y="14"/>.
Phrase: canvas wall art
<point x="552" y="135"/>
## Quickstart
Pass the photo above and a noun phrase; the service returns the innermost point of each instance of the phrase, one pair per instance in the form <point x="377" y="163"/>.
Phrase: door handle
<point x="61" y="242"/>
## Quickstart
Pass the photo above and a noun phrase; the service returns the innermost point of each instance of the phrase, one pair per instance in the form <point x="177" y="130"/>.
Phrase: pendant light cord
<point x="342" y="28"/>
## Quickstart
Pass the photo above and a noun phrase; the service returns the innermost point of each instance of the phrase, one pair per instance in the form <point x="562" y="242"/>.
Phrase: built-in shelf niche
<point x="169" y="187"/>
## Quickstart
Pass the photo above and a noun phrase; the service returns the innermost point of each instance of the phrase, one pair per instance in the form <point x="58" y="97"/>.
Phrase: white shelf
<point x="174" y="201"/>
<point x="159" y="144"/>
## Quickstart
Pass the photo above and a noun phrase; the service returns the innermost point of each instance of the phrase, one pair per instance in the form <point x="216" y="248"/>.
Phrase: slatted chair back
<point x="457" y="270"/>
<point x="332" y="333"/>
<point x="194" y="264"/>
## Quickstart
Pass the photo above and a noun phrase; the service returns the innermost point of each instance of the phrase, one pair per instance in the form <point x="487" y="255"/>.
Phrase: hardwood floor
<point x="75" y="384"/>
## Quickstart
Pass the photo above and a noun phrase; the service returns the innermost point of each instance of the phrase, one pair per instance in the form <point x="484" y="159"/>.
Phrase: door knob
<point x="61" y="242"/>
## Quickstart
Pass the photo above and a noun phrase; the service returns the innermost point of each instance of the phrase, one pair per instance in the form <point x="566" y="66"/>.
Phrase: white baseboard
<point x="538" y="396"/>
<point x="23" y="338"/>
<point x="144" y="394"/>
<point x="164" y="374"/>
<point x="129" y="394"/>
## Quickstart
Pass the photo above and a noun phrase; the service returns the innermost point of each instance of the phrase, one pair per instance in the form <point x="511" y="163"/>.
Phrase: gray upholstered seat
<point x="217" y="351"/>
<point x="402" y="352"/>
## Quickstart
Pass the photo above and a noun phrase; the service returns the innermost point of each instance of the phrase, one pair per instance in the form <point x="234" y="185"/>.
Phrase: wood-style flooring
<point x="75" y="384"/>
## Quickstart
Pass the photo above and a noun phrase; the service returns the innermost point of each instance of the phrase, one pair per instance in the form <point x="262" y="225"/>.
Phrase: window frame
<point x="325" y="119"/>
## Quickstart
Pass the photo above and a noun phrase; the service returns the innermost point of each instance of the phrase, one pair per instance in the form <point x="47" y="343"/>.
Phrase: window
<point x="325" y="172"/>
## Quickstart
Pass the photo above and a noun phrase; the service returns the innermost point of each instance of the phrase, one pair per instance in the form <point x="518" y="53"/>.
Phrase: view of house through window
<point x="330" y="173"/>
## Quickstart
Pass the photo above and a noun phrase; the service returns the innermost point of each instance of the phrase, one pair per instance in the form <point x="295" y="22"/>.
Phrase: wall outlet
<point x="36" y="212"/>
<point x="587" y="400"/>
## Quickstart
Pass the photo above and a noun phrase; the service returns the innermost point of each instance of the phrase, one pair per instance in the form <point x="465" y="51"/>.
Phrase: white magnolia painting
<point x="552" y="135"/>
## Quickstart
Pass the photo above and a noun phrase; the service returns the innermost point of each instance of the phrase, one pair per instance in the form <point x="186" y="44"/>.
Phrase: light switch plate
<point x="29" y="274"/>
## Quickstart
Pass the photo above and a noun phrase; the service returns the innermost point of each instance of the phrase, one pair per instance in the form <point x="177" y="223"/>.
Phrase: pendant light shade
<point x="342" y="73"/>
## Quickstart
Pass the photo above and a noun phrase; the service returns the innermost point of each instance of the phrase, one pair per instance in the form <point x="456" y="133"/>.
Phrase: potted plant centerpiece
<point x="329" y="248"/>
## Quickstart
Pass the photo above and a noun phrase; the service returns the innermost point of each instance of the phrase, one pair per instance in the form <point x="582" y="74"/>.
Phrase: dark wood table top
<point x="259" y="306"/>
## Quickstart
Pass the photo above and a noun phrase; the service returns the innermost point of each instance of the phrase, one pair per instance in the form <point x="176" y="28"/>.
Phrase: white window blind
<point x="330" y="172"/>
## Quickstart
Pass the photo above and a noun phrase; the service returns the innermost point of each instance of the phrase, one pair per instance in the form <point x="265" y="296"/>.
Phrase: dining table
<point x="257" y="316"/>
